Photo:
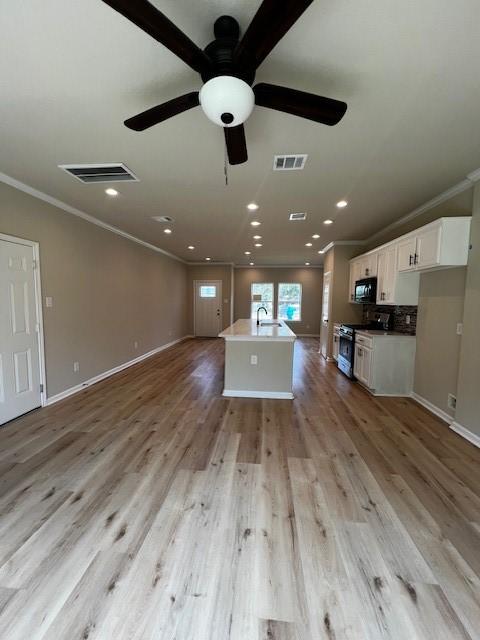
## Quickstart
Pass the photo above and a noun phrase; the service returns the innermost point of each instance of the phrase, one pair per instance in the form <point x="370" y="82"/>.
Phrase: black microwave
<point x="365" y="291"/>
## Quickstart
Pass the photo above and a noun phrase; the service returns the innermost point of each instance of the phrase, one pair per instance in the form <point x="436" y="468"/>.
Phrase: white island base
<point x="258" y="360"/>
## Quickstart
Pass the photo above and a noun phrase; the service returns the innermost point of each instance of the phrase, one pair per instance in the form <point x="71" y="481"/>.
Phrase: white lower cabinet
<point x="336" y="341"/>
<point x="362" y="368"/>
<point x="384" y="362"/>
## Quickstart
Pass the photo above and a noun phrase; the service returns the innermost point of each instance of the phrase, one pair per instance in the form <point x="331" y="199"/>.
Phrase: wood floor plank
<point x="149" y="507"/>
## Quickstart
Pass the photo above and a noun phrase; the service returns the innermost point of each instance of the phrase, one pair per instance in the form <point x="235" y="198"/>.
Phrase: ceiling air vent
<point x="297" y="216"/>
<point x="111" y="172"/>
<point x="292" y="162"/>
<point x="163" y="219"/>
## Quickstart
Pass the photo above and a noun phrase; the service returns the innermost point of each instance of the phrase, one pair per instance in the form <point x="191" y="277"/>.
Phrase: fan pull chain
<point x="225" y="164"/>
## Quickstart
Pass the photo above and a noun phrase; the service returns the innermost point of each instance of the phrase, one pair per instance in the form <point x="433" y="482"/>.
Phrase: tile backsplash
<point x="399" y="315"/>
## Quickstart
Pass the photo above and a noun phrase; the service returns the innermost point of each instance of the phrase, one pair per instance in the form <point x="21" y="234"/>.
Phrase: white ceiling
<point x="71" y="72"/>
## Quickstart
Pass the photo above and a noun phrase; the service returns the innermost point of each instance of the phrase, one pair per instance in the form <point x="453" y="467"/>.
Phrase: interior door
<point x="19" y="353"/>
<point x="208" y="308"/>
<point x="325" y="314"/>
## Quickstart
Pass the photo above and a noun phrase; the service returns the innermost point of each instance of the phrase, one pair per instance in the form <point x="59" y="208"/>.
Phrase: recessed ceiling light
<point x="208" y="259"/>
<point x="111" y="192"/>
<point x="328" y="222"/>
<point x="307" y="264"/>
<point x="247" y="253"/>
<point x="257" y="237"/>
<point x="167" y="231"/>
<point x="253" y="206"/>
<point x="342" y="204"/>
<point x="191" y="247"/>
<point x="255" y="223"/>
<point x="315" y="236"/>
<point x="258" y="244"/>
<point x="321" y="251"/>
<point x="308" y="244"/>
<point x="252" y="264"/>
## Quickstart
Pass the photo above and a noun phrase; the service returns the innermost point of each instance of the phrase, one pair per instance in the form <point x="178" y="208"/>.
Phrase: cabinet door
<point x="370" y="265"/>
<point x="356" y="273"/>
<point x="406" y="254"/>
<point x="367" y="361"/>
<point x="428" y="248"/>
<point x="357" y="363"/>
<point x="387" y="275"/>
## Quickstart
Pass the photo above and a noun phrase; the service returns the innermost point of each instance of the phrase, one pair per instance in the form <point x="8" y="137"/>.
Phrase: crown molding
<point x="59" y="204"/>
<point x="210" y="263"/>
<point x="340" y="243"/>
<point x="430" y="204"/>
<point x="279" y="266"/>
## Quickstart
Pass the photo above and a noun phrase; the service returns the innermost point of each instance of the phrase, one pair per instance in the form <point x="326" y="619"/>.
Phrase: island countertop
<point x="247" y="329"/>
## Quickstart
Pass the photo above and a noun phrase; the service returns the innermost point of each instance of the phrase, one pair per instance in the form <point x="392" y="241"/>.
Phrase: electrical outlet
<point x="49" y="301"/>
<point x="253" y="360"/>
<point x="135" y="345"/>
<point x="407" y="319"/>
<point x="459" y="328"/>
<point x="452" y="401"/>
<point x="76" y="367"/>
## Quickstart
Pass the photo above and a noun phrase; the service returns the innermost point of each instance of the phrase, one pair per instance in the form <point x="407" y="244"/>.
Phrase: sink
<point x="271" y="323"/>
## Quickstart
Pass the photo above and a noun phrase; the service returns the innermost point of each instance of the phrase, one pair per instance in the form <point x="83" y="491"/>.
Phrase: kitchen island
<point x="258" y="359"/>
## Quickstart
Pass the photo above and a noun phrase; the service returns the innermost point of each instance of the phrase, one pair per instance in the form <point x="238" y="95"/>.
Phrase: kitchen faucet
<point x="259" y="309"/>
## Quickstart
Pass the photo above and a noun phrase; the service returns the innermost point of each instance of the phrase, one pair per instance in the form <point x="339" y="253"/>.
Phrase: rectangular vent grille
<point x="297" y="216"/>
<point x="111" y="172"/>
<point x="292" y="162"/>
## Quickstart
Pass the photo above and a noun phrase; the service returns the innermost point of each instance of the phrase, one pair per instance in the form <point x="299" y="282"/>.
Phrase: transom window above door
<point x="208" y="291"/>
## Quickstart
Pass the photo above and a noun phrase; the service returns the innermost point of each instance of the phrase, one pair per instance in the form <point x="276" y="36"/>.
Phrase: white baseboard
<point x="106" y="374"/>
<point x="443" y="415"/>
<point x="465" y="433"/>
<point x="278" y="395"/>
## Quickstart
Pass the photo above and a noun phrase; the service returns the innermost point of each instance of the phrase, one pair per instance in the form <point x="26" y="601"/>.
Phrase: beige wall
<point x="468" y="394"/>
<point x="440" y="308"/>
<point x="210" y="272"/>
<point x="108" y="291"/>
<point x="310" y="278"/>
<point x="340" y="309"/>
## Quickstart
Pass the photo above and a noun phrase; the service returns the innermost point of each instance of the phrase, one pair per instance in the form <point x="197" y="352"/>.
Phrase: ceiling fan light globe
<point x="227" y="101"/>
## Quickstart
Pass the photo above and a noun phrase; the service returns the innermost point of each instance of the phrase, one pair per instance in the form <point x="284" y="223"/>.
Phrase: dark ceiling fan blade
<point x="162" y="112"/>
<point x="153" y="22"/>
<point x="271" y="22"/>
<point x="236" y="144"/>
<point x="299" y="103"/>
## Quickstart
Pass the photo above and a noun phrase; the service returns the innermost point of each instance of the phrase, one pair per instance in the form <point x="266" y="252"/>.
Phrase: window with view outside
<point x="208" y="291"/>
<point x="290" y="301"/>
<point x="264" y="289"/>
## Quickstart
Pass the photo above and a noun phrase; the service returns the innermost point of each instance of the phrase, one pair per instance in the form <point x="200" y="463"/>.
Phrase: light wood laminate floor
<point x="149" y="507"/>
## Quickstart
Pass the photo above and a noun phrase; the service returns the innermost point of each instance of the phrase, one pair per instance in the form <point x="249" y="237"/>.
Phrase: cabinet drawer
<point x="365" y="341"/>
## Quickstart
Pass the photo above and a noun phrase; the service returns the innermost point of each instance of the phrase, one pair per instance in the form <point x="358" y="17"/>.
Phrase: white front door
<point x="325" y="314"/>
<point x="208" y="308"/>
<point x="19" y="352"/>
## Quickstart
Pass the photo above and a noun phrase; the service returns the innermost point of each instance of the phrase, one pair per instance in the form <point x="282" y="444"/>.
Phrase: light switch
<point x="459" y="328"/>
<point x="253" y="360"/>
<point x="49" y="301"/>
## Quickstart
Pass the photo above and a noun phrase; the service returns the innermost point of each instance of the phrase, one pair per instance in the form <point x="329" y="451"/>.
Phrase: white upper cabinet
<point x="440" y="244"/>
<point x="397" y="265"/>
<point x="387" y="275"/>
<point x="406" y="254"/>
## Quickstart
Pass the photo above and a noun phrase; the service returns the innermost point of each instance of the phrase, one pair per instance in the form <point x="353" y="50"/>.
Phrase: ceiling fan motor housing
<point x="226" y="97"/>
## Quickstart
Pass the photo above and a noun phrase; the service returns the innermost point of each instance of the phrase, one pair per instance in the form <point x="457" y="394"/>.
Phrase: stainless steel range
<point x="346" y="349"/>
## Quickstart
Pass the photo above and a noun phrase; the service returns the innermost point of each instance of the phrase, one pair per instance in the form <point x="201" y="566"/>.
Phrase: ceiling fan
<point x="227" y="67"/>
